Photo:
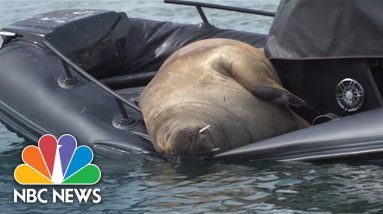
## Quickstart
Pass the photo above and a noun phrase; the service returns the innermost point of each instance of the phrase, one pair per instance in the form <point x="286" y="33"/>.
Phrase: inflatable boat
<point x="82" y="72"/>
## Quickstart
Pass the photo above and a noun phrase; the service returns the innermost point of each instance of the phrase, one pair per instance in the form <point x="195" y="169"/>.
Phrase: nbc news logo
<point x="57" y="162"/>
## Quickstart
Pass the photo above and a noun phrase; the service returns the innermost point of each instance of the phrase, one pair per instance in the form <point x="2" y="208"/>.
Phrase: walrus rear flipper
<point x="283" y="97"/>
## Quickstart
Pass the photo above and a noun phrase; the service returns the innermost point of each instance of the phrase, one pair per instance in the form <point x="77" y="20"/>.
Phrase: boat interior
<point x="117" y="59"/>
<point x="147" y="45"/>
<point x="125" y="53"/>
<point x="131" y="53"/>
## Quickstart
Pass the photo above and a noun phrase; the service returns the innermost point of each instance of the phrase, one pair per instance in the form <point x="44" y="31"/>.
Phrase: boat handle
<point x="7" y="37"/>
<point x="200" y="5"/>
<point x="120" y="100"/>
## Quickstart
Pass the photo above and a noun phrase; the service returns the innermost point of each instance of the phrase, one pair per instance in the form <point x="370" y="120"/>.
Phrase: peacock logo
<point x="57" y="162"/>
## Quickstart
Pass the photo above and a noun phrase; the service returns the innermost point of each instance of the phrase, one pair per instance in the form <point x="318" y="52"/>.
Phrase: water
<point x="253" y="187"/>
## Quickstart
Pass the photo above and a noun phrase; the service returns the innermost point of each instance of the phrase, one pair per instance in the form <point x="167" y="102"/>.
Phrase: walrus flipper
<point x="284" y="97"/>
<point x="277" y="96"/>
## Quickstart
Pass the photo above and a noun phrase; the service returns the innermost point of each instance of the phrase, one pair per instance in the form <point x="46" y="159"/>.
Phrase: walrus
<point x="214" y="95"/>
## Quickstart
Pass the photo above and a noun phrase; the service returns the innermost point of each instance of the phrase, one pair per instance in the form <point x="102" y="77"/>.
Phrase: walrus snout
<point x="192" y="143"/>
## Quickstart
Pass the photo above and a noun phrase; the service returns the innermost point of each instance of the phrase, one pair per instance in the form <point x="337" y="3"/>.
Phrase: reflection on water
<point x="253" y="187"/>
<point x="261" y="187"/>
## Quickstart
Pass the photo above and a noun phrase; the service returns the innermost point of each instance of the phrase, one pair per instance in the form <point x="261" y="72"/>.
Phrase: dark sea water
<point x="250" y="187"/>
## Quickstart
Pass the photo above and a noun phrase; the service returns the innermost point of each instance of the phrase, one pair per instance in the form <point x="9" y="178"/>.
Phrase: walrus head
<point x="191" y="143"/>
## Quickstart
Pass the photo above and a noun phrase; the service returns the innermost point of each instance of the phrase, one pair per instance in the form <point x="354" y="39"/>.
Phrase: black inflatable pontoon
<point x="82" y="72"/>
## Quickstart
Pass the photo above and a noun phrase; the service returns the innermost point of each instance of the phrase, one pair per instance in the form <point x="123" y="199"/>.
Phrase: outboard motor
<point x="333" y="62"/>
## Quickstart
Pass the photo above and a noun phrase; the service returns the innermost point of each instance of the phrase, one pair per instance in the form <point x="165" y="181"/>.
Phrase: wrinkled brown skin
<point x="210" y="82"/>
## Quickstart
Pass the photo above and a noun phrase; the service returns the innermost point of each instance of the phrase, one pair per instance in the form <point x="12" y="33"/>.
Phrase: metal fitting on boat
<point x="124" y="123"/>
<point x="350" y="95"/>
<point x="67" y="82"/>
